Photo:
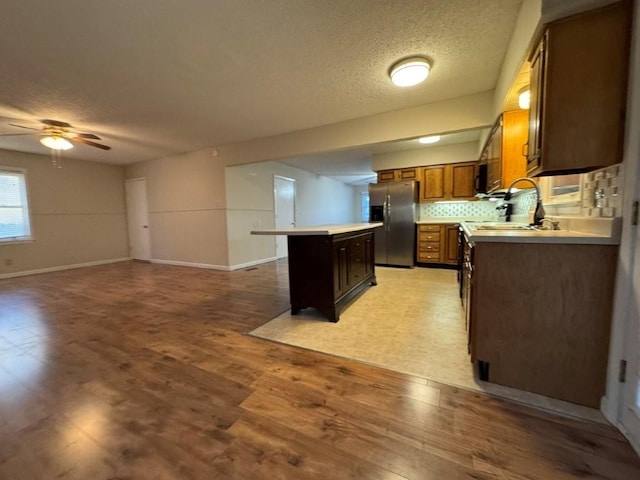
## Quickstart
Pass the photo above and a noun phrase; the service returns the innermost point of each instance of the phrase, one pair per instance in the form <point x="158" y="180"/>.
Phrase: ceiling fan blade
<point x="56" y="123"/>
<point x="15" y="134"/>
<point x="89" y="142"/>
<point x="83" y="135"/>
<point x="28" y="128"/>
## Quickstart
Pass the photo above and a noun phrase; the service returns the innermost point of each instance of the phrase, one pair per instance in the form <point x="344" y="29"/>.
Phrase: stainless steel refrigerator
<point x="394" y="204"/>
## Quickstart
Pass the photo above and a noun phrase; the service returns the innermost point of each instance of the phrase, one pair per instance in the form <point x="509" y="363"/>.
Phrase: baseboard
<point x="253" y="263"/>
<point x="61" y="267"/>
<point x="192" y="264"/>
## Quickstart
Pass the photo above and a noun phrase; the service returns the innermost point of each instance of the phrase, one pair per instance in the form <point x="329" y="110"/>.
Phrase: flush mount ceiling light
<point x="429" y="139"/>
<point x="524" y="98"/>
<point x="55" y="142"/>
<point x="410" y="71"/>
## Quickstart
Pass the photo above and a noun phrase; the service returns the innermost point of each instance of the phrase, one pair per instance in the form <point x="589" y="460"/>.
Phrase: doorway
<point x="138" y="219"/>
<point x="630" y="415"/>
<point x="284" y="195"/>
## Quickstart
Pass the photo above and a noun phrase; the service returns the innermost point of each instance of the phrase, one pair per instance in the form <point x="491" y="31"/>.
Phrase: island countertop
<point x="318" y="229"/>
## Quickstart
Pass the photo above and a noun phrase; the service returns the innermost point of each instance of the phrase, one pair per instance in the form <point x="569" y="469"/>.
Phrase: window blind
<point x="14" y="209"/>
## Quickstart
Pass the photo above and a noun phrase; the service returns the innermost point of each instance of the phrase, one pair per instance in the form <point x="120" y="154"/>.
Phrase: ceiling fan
<point x="59" y="135"/>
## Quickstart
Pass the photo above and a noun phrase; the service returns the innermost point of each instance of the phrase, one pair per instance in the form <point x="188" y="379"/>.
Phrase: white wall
<point x="460" y="152"/>
<point x="319" y="200"/>
<point x="187" y="208"/>
<point x="77" y="213"/>
<point x="458" y="114"/>
<point x="525" y="28"/>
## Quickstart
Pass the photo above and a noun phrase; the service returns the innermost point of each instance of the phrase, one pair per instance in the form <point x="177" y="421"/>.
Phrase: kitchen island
<point x="329" y="265"/>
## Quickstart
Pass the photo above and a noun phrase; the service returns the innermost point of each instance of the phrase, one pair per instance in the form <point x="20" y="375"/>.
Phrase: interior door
<point x="138" y="219"/>
<point x="284" y="193"/>
<point x="631" y="391"/>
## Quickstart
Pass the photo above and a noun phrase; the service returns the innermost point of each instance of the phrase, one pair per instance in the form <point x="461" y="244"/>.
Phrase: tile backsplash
<point x="480" y="208"/>
<point x="601" y="196"/>
<point x="602" y="192"/>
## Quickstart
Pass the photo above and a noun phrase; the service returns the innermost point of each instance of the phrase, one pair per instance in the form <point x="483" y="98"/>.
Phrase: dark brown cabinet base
<point x="326" y="272"/>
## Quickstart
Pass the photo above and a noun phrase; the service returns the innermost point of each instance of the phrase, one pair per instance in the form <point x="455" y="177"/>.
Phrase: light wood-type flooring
<point x="140" y="371"/>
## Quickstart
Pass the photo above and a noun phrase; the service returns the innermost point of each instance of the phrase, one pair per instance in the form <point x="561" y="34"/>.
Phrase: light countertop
<point x="572" y="231"/>
<point x="444" y="220"/>
<point x="318" y="229"/>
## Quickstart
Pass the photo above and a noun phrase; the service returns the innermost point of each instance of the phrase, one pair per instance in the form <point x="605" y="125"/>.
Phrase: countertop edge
<point x="319" y="229"/>
<point x="566" y="237"/>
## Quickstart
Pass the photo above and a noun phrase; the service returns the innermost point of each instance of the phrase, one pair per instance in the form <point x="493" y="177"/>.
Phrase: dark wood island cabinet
<point x="329" y="266"/>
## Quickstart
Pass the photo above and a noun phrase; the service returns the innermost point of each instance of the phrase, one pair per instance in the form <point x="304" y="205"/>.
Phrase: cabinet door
<point x="585" y="62"/>
<point x="356" y="270"/>
<point x="368" y="254"/>
<point x="409" y="174"/>
<point x="432" y="185"/>
<point x="514" y="138"/>
<point x="463" y="178"/>
<point x="452" y="248"/>
<point x="387" y="176"/>
<point x="534" y="145"/>
<point x="340" y="268"/>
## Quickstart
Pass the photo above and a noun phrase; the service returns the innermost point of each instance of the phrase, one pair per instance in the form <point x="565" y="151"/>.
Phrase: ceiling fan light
<point x="429" y="139"/>
<point x="56" y="143"/>
<point x="410" y="71"/>
<point x="524" y="98"/>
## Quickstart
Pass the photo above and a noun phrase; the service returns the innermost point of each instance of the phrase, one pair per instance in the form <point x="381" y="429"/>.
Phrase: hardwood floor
<point x="140" y="371"/>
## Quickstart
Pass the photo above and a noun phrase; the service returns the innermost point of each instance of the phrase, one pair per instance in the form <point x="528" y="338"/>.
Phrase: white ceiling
<point x="354" y="166"/>
<point x="159" y="77"/>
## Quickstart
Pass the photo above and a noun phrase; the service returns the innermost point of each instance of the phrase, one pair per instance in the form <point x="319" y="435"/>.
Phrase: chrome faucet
<point x="538" y="215"/>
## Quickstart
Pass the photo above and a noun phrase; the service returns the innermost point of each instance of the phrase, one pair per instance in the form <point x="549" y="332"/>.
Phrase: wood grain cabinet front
<point x="328" y="271"/>
<point x="504" y="150"/>
<point x="437" y="244"/>
<point x="579" y="74"/>
<point x="398" y="175"/>
<point x="541" y="315"/>
<point x="448" y="182"/>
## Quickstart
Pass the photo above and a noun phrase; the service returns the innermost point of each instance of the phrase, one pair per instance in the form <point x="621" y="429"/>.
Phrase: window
<point x="562" y="189"/>
<point x="14" y="208"/>
<point x="364" y="206"/>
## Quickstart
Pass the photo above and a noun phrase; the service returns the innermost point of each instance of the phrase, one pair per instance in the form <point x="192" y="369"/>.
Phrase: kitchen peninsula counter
<point x="329" y="265"/>
<point x="573" y="230"/>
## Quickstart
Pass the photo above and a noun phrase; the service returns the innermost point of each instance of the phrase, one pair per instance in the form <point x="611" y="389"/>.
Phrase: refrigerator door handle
<point x="388" y="202"/>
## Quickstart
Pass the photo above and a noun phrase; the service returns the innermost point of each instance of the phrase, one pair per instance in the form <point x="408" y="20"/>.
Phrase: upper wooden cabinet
<point x="455" y="181"/>
<point x="398" y="175"/>
<point x="579" y="76"/>
<point x="432" y="184"/>
<point x="504" y="152"/>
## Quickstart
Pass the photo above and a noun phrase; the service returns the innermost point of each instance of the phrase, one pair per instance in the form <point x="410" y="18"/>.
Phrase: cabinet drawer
<point x="429" y="236"/>
<point x="429" y="257"/>
<point x="428" y="228"/>
<point x="429" y="246"/>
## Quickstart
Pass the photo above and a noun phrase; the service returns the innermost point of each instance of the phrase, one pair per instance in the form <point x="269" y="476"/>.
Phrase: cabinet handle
<point x="525" y="149"/>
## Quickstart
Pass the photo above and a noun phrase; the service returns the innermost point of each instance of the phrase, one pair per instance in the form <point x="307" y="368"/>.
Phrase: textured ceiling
<point x="158" y="77"/>
<point x="354" y="166"/>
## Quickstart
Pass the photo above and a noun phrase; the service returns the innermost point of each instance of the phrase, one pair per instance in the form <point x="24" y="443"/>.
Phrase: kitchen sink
<point x="503" y="227"/>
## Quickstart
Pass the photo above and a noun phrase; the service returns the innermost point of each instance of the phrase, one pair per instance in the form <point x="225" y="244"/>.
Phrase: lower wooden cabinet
<point x="328" y="271"/>
<point x="540" y="316"/>
<point x="437" y="243"/>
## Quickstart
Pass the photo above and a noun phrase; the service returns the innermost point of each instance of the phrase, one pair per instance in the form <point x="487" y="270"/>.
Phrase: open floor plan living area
<point x="304" y="239"/>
